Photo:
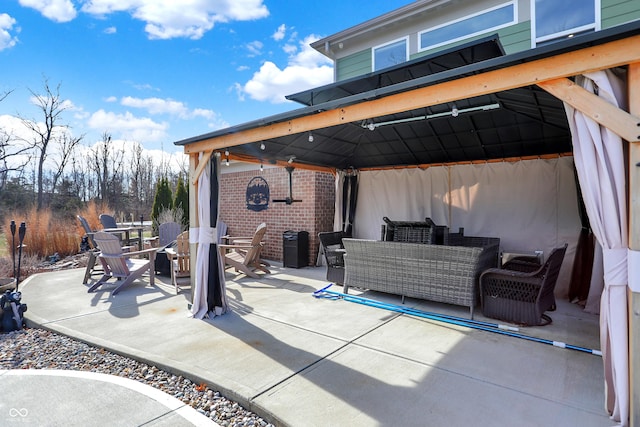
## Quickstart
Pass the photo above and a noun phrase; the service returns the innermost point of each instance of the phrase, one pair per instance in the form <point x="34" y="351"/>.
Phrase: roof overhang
<point x="529" y="87"/>
<point x="399" y="17"/>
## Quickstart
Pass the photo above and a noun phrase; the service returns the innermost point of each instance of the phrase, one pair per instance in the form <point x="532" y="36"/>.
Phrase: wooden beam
<point x="193" y="220"/>
<point x="633" y="80"/>
<point x="608" y="55"/>
<point x="608" y="115"/>
<point x="251" y="159"/>
<point x="201" y="165"/>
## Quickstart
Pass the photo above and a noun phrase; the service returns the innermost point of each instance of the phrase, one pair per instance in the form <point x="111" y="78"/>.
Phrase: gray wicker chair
<point x="521" y="291"/>
<point x="409" y="231"/>
<point x="333" y="250"/>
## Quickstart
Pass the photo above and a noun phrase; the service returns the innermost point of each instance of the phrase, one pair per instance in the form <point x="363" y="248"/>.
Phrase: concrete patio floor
<point x="302" y="361"/>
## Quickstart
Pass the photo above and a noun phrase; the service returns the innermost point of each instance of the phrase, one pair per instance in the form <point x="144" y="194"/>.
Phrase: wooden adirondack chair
<point x="179" y="259"/>
<point x="244" y="255"/>
<point x="168" y="232"/>
<point x="119" y="264"/>
<point x="93" y="251"/>
<point x="109" y="221"/>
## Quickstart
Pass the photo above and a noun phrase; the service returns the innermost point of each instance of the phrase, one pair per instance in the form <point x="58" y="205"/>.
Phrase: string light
<point x="310" y="137"/>
<point x="262" y="146"/>
<point x="261" y="167"/>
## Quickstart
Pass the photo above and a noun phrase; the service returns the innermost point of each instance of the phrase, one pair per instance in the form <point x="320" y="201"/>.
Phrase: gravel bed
<point x="41" y="349"/>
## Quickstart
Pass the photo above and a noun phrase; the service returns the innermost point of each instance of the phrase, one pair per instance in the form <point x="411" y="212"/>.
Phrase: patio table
<point x="127" y="233"/>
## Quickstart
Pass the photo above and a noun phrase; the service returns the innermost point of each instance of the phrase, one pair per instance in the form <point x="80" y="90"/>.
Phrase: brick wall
<point x="314" y="214"/>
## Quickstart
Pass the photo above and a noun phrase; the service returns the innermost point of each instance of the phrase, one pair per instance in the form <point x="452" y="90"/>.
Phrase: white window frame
<point x="373" y="51"/>
<point x="514" y="21"/>
<point x="596" y="26"/>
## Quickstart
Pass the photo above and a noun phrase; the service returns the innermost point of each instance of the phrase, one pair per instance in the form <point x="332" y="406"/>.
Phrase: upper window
<point x="553" y="19"/>
<point x="391" y="54"/>
<point x="469" y="26"/>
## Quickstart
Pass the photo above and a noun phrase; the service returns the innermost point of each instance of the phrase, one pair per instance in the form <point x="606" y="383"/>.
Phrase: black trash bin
<point x="295" y="249"/>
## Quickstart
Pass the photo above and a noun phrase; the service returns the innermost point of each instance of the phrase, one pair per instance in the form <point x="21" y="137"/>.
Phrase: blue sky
<point x="157" y="71"/>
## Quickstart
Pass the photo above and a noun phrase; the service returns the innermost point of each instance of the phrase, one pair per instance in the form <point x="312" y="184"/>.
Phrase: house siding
<point x="618" y="12"/>
<point x="515" y="38"/>
<point x="353" y="65"/>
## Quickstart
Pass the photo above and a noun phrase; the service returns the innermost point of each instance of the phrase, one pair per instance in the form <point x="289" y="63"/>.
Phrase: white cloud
<point x="111" y="99"/>
<point x="56" y="10"/>
<point x="143" y="86"/>
<point x="13" y="126"/>
<point x="166" y="106"/>
<point x="306" y="68"/>
<point x="201" y="112"/>
<point x="167" y="19"/>
<point x="280" y="32"/>
<point x="254" y="48"/>
<point x="81" y="115"/>
<point x="6" y="26"/>
<point x="156" y="105"/>
<point x="128" y="126"/>
<point x="110" y="30"/>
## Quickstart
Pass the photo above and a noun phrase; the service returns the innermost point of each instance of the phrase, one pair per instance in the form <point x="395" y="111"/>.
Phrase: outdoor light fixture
<point x="291" y="159"/>
<point x="310" y="137"/>
<point x="455" y="112"/>
<point x="262" y="146"/>
<point x="261" y="167"/>
<point x="226" y="153"/>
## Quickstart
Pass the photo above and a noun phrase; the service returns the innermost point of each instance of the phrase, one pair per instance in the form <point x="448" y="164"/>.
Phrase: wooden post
<point x="634" y="244"/>
<point x="193" y="218"/>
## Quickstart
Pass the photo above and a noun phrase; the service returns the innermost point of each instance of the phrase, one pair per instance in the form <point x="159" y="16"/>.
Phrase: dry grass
<point x="92" y="214"/>
<point x="28" y="265"/>
<point x="45" y="236"/>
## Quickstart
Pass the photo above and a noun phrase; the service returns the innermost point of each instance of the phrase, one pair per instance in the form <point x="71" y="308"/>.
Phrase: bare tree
<point x="108" y="165"/>
<point x="80" y="177"/>
<point x="51" y="106"/>
<point x="12" y="155"/>
<point x="66" y="145"/>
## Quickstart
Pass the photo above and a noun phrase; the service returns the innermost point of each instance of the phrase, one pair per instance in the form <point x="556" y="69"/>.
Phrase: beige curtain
<point x="600" y="163"/>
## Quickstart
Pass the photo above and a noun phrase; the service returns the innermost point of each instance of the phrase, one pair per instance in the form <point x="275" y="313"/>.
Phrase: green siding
<point x="353" y="65"/>
<point x="617" y="12"/>
<point x="515" y="38"/>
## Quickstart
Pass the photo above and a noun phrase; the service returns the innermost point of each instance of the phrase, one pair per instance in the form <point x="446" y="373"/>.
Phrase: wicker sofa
<point x="442" y="273"/>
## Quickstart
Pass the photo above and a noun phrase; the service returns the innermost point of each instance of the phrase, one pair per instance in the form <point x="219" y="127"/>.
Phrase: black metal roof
<point x="449" y="59"/>
<point x="528" y="122"/>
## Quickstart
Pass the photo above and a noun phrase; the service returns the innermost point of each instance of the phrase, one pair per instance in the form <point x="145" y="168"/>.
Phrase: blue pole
<point x="408" y="310"/>
<point x="483" y="326"/>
